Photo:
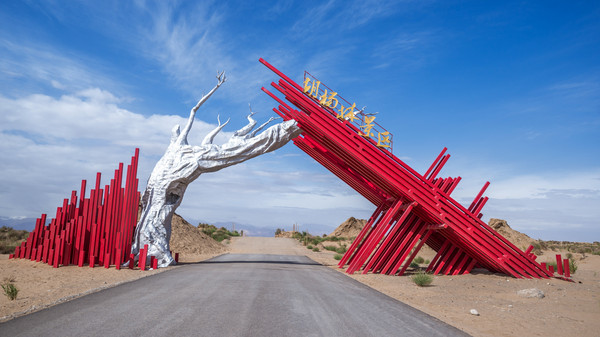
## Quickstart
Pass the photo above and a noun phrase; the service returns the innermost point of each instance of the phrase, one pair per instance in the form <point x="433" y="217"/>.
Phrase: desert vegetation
<point x="316" y="242"/>
<point x="573" y="247"/>
<point x="11" y="238"/>
<point x="422" y="279"/>
<point x="9" y="288"/>
<point x="218" y="234"/>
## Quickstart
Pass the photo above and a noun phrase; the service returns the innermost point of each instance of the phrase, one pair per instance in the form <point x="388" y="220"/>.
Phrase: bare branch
<point x="246" y="129"/>
<point x="183" y="136"/>
<point x="263" y="125"/>
<point x="211" y="135"/>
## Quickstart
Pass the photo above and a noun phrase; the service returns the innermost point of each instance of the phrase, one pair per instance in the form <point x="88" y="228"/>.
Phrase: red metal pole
<point x="426" y="175"/>
<point x="559" y="264"/>
<point x="519" y="259"/>
<point x="359" y="239"/>
<point x="375" y="237"/>
<point x="566" y="268"/>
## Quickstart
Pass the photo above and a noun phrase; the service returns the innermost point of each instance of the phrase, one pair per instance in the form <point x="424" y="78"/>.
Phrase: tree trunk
<point x="181" y="164"/>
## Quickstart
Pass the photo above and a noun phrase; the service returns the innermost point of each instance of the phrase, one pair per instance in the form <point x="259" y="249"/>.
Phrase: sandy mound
<point x="284" y="234"/>
<point x="517" y="238"/>
<point x="187" y="239"/>
<point x="349" y="228"/>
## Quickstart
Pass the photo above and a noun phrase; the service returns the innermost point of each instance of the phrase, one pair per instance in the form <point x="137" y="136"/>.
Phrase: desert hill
<point x="522" y="241"/>
<point x="188" y="239"/>
<point x="349" y="228"/>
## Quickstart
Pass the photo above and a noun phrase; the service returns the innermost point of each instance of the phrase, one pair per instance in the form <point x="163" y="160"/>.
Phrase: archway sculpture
<point x="183" y="163"/>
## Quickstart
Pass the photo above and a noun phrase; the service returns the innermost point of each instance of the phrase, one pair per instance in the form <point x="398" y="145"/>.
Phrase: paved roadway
<point x="234" y="295"/>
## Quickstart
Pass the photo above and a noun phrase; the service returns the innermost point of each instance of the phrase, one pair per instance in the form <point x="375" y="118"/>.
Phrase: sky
<point x="511" y="88"/>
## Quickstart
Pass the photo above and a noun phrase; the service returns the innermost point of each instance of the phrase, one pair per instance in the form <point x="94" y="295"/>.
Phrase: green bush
<point x="414" y="265"/>
<point x="341" y="249"/>
<point x="338" y="256"/>
<point x="11" y="238"/>
<point x="426" y="262"/>
<point x="419" y="260"/>
<point x="316" y="249"/>
<point x="218" y="234"/>
<point x="572" y="266"/>
<point x="316" y="240"/>
<point x="10" y="290"/>
<point x="330" y="248"/>
<point x="422" y="279"/>
<point x="309" y="247"/>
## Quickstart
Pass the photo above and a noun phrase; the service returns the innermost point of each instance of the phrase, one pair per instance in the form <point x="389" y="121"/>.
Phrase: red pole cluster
<point x="95" y="230"/>
<point x="412" y="209"/>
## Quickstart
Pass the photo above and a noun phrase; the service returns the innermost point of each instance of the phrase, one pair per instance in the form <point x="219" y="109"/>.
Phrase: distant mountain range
<point x="250" y="230"/>
<point x="27" y="224"/>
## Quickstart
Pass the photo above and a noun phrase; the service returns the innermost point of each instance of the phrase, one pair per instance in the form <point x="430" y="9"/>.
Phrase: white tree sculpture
<point x="182" y="163"/>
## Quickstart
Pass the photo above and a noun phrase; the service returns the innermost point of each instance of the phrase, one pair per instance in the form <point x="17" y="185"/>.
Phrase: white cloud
<point x="405" y="49"/>
<point x="338" y="16"/>
<point x="249" y="193"/>
<point x="28" y="61"/>
<point x="50" y="144"/>
<point x="541" y="205"/>
<point x="580" y="88"/>
<point x="188" y="45"/>
<point x="545" y="186"/>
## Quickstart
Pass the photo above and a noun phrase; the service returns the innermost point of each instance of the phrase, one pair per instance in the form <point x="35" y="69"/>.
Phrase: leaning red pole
<point x="456" y="233"/>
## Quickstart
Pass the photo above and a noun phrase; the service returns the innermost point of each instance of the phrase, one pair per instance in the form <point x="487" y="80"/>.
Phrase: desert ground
<point x="568" y="308"/>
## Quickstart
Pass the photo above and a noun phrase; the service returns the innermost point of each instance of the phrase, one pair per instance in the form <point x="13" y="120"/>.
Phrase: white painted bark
<point x="182" y="163"/>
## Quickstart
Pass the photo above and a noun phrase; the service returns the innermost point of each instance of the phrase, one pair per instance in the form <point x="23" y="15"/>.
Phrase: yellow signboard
<point x="329" y="99"/>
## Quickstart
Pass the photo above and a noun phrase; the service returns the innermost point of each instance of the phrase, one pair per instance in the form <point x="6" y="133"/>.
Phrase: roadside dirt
<point x="568" y="309"/>
<point x="41" y="286"/>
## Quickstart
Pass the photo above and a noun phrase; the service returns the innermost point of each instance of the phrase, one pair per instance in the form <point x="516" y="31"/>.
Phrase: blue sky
<point x="512" y="89"/>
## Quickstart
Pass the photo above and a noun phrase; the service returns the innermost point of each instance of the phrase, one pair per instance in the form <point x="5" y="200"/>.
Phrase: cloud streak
<point x="41" y="66"/>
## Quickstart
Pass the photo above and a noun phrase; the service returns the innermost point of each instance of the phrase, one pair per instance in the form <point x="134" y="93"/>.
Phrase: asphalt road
<point x="234" y="295"/>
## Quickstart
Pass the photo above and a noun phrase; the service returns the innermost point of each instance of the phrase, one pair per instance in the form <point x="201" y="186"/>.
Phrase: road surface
<point x="234" y="295"/>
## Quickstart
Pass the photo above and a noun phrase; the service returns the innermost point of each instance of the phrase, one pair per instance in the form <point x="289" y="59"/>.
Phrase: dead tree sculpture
<point x="182" y="163"/>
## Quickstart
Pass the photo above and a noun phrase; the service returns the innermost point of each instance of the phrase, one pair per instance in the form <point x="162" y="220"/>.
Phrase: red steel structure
<point x="412" y="209"/>
<point x="95" y="230"/>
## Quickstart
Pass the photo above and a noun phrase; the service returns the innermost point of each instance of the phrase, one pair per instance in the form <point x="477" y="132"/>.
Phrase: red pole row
<point x="95" y="230"/>
<point x="412" y="209"/>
